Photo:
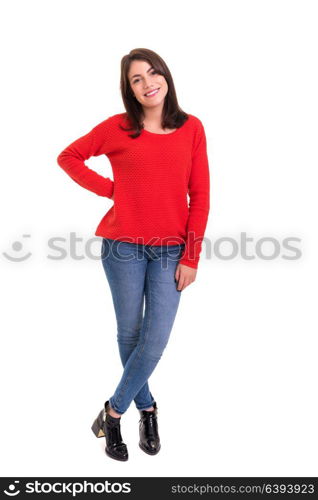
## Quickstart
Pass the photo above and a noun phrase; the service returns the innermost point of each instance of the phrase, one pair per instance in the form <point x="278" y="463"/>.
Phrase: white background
<point x="237" y="385"/>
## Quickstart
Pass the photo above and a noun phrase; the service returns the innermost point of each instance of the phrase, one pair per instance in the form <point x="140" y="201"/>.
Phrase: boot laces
<point x="150" y="425"/>
<point x="116" y="434"/>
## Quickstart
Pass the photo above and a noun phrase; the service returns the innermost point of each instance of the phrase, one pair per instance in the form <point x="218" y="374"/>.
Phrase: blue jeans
<point x="140" y="275"/>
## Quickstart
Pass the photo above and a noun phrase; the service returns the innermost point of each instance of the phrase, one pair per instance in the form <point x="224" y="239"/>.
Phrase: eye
<point x="153" y="72"/>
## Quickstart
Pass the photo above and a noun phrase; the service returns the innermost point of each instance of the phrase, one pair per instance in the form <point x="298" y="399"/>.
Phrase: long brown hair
<point x="172" y="115"/>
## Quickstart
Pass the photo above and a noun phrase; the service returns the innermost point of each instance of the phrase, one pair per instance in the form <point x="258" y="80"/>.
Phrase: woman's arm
<point x="72" y="158"/>
<point x="199" y="205"/>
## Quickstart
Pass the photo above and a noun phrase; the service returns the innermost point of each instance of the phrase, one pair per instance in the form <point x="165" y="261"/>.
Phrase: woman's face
<point x="143" y="79"/>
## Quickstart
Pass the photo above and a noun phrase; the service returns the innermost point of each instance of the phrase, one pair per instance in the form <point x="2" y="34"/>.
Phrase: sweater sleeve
<point x="72" y="159"/>
<point x="199" y="203"/>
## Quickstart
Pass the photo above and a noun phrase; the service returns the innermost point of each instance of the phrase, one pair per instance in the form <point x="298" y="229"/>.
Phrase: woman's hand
<point x="184" y="276"/>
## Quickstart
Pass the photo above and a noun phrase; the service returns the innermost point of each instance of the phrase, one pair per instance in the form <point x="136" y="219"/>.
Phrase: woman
<point x="151" y="238"/>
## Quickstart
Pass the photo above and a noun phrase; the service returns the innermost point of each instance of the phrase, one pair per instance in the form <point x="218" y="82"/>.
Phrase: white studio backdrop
<point x="237" y="381"/>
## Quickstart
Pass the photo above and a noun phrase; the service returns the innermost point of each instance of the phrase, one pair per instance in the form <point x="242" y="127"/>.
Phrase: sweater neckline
<point x="169" y="133"/>
<point x="155" y="133"/>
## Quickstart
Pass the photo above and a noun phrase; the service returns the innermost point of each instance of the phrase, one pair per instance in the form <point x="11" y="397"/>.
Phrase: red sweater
<point x="152" y="176"/>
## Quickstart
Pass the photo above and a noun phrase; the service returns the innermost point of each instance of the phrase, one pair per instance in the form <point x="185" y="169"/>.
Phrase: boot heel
<point x="97" y="426"/>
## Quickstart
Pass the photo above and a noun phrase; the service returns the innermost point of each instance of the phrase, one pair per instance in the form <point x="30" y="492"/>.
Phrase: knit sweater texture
<point x="161" y="183"/>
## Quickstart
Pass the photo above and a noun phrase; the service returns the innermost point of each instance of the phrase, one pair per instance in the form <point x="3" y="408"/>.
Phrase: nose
<point x="146" y="84"/>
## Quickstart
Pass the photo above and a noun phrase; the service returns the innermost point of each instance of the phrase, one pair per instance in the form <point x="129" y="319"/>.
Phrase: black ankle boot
<point x="148" y="431"/>
<point x="108" y="426"/>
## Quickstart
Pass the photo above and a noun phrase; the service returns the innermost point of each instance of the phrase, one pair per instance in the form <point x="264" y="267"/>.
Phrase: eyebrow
<point x="140" y="75"/>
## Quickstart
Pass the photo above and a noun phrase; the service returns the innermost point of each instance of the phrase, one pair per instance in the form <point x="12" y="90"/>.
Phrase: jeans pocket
<point x="122" y="251"/>
<point x="174" y="252"/>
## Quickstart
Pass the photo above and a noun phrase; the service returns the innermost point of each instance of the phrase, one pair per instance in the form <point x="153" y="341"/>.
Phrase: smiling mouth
<point x="153" y="92"/>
